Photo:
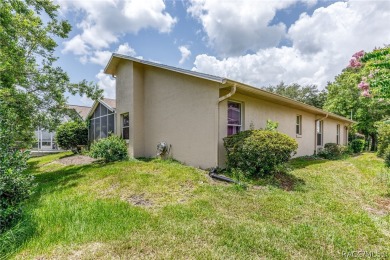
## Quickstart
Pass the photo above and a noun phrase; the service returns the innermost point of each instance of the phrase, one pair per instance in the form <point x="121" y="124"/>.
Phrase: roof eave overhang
<point x="116" y="58"/>
<point x="262" y="94"/>
<point x="95" y="104"/>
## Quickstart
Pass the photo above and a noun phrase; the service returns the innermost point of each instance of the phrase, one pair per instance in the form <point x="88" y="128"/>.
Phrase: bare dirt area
<point x="76" y="160"/>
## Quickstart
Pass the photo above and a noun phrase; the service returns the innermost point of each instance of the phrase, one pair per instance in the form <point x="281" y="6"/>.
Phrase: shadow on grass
<point x="47" y="182"/>
<point x="303" y="162"/>
<point x="284" y="181"/>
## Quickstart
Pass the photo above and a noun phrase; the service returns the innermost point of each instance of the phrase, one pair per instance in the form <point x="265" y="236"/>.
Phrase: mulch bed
<point x="76" y="160"/>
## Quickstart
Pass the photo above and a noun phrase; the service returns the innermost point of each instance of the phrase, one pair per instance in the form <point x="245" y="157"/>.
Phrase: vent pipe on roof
<point x="231" y="93"/>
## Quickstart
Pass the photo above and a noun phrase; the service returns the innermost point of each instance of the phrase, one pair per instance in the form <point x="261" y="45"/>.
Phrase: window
<point x="319" y="131"/>
<point x="345" y="135"/>
<point x="234" y="118"/>
<point x="101" y="123"/>
<point x="125" y="126"/>
<point x="338" y="134"/>
<point x="298" y="127"/>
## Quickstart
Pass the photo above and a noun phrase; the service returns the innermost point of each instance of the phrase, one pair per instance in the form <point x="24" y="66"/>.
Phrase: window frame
<point x="92" y="136"/>
<point x="320" y="126"/>
<point x="338" y="134"/>
<point x="123" y="127"/>
<point x="298" y="125"/>
<point x="241" y="104"/>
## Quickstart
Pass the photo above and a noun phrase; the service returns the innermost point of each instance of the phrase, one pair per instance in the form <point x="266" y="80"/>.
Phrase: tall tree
<point x="309" y="94"/>
<point x="345" y="98"/>
<point x="32" y="87"/>
<point x="375" y="70"/>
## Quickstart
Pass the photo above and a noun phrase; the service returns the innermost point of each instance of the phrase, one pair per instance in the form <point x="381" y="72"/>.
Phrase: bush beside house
<point x="258" y="152"/>
<point x="71" y="134"/>
<point x="112" y="148"/>
<point x="333" y="151"/>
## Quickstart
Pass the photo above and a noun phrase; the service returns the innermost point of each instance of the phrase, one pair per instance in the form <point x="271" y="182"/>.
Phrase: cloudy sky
<point x="258" y="42"/>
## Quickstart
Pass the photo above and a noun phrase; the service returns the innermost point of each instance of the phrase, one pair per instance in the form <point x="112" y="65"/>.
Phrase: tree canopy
<point x="309" y="94"/>
<point x="345" y="98"/>
<point x="374" y="68"/>
<point x="32" y="87"/>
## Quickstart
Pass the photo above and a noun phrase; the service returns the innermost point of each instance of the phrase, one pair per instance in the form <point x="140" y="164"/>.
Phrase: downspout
<point x="231" y="93"/>
<point x="315" y="132"/>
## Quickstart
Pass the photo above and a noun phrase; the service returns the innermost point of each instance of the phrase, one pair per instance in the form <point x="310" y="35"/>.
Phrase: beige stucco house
<point x="193" y="112"/>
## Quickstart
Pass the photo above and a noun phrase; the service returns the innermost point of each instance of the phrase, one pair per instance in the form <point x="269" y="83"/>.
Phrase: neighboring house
<point x="101" y="119"/>
<point x="193" y="112"/>
<point x="46" y="139"/>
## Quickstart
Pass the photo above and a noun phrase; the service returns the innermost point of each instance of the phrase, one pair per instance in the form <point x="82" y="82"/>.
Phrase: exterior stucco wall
<point x="256" y="112"/>
<point x="330" y="131"/>
<point x="124" y="99"/>
<point x="182" y="111"/>
<point x="138" y="118"/>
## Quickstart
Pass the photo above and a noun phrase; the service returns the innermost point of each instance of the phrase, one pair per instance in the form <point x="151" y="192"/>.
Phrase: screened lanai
<point x="102" y="119"/>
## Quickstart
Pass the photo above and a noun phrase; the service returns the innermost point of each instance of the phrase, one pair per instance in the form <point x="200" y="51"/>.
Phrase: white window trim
<point x="241" y="115"/>
<point x="299" y="135"/>
<point x="321" y="125"/>
<point x="338" y="134"/>
<point x="123" y="127"/>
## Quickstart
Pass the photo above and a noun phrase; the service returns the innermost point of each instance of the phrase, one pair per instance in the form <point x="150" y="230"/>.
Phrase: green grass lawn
<point x="162" y="209"/>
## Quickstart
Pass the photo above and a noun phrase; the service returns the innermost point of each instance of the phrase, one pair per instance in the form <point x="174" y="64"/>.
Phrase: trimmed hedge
<point x="357" y="145"/>
<point x="112" y="148"/>
<point x="258" y="152"/>
<point x="71" y="134"/>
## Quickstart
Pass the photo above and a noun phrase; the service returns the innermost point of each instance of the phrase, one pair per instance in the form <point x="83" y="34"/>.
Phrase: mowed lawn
<point x="146" y="209"/>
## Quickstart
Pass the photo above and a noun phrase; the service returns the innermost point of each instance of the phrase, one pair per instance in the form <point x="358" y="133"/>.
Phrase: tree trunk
<point x="373" y="143"/>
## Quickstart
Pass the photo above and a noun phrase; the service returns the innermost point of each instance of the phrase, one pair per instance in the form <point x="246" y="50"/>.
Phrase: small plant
<point x="71" y="134"/>
<point x="271" y="125"/>
<point x="112" y="148"/>
<point x="357" y="145"/>
<point x="258" y="152"/>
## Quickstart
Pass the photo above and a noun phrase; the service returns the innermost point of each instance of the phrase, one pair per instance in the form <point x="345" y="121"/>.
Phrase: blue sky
<point x="253" y="41"/>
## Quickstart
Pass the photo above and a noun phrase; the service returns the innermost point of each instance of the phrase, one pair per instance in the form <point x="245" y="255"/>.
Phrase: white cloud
<point x="185" y="54"/>
<point x="322" y="44"/>
<point x="102" y="57"/>
<point x="107" y="83"/>
<point x="125" y="49"/>
<point x="104" y="21"/>
<point x="233" y="28"/>
<point x="76" y="45"/>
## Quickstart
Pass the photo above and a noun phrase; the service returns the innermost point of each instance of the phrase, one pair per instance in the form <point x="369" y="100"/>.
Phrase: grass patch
<point x="162" y="209"/>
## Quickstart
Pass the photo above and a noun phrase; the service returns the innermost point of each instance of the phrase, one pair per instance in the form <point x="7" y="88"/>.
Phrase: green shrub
<point x="71" y="134"/>
<point x="112" y="148"/>
<point x="383" y="137"/>
<point x="386" y="156"/>
<point x="15" y="185"/>
<point x="330" y="151"/>
<point x="357" y="145"/>
<point x="258" y="152"/>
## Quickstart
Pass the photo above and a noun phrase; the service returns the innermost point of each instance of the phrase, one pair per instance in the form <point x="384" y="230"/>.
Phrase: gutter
<point x="231" y="93"/>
